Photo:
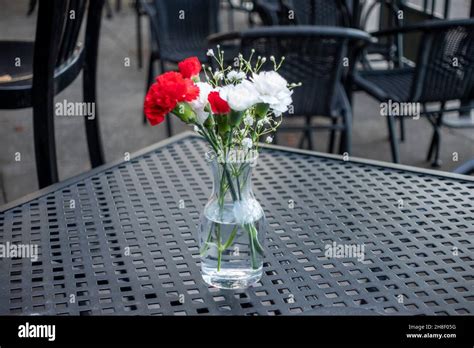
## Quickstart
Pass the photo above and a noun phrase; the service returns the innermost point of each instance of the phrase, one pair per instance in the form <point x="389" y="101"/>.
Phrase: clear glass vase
<point x="232" y="229"/>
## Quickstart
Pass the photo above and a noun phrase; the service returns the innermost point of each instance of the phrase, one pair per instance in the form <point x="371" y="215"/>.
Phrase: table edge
<point x="189" y="134"/>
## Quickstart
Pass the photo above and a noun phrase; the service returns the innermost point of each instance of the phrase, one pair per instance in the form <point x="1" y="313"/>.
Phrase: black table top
<point x="117" y="240"/>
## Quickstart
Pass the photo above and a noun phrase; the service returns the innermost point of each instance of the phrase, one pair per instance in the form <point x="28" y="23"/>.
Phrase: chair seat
<point x="16" y="81"/>
<point x="383" y="85"/>
<point x="16" y="63"/>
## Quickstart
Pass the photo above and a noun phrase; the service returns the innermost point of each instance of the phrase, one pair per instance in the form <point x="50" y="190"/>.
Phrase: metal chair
<point x="317" y="12"/>
<point x="304" y="12"/>
<point x="390" y="49"/>
<point x="48" y="65"/>
<point x="269" y="11"/>
<point x="444" y="72"/>
<point x="314" y="57"/>
<point x="179" y="29"/>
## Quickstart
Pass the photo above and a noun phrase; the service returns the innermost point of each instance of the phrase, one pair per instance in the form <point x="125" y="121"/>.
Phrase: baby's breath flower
<point x="269" y="140"/>
<point x="235" y="75"/>
<point x="248" y="120"/>
<point x="210" y="52"/>
<point x="247" y="143"/>
<point x="263" y="121"/>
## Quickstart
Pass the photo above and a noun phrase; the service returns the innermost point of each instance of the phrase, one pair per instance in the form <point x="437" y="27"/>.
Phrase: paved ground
<point x="121" y="91"/>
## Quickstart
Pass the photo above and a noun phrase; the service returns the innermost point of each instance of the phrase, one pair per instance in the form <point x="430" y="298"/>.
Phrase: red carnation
<point x="190" y="67"/>
<point x="168" y="90"/>
<point x="153" y="111"/>
<point x="218" y="105"/>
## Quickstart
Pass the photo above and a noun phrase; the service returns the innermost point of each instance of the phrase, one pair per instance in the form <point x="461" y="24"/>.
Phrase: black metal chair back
<point x="444" y="72"/>
<point x="184" y="23"/>
<point x="318" y="12"/>
<point x="57" y="61"/>
<point x="445" y="65"/>
<point x="313" y="56"/>
<point x="70" y="30"/>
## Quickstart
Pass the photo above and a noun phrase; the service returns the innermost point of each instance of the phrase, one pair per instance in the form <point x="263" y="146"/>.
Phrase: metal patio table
<point x="128" y="245"/>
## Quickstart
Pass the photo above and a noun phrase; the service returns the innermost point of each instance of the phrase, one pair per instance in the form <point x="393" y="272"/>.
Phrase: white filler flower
<point x="273" y="90"/>
<point x="269" y="140"/>
<point x="200" y="103"/>
<point x="248" y="120"/>
<point x="240" y="97"/>
<point x="247" y="143"/>
<point x="236" y="75"/>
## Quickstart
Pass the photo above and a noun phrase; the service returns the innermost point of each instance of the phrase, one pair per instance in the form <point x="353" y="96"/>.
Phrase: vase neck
<point x="232" y="180"/>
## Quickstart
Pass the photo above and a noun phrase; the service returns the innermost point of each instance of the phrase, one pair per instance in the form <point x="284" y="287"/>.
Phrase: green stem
<point x="229" y="180"/>
<point x="252" y="249"/>
<point x="206" y="244"/>
<point x="256" y="241"/>
<point x="255" y="245"/>
<point x="219" y="248"/>
<point x="238" y="186"/>
<point x="231" y="238"/>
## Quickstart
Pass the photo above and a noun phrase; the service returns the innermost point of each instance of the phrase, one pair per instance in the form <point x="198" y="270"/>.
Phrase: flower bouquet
<point x="233" y="109"/>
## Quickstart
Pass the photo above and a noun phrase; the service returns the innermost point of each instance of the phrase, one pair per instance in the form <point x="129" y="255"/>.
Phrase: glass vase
<point x="232" y="228"/>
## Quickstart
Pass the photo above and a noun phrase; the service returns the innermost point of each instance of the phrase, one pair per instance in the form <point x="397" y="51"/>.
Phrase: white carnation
<point x="200" y="102"/>
<point x="273" y="90"/>
<point x="240" y="97"/>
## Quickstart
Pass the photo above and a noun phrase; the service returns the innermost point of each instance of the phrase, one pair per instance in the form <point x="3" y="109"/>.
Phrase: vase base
<point x="231" y="278"/>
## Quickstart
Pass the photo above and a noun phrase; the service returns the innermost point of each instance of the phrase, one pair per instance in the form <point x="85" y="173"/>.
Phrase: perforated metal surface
<point x="135" y="206"/>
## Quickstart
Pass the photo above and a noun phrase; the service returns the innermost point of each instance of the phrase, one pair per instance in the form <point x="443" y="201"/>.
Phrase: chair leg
<point x="31" y="7"/>
<point x="138" y="23"/>
<point x="437" y="161"/>
<point x="402" y="129"/>
<point x="89" y="86"/>
<point x="304" y="137"/>
<point x="435" y="145"/>
<point x="94" y="141"/>
<point x="332" y="136"/>
<point x="393" y="140"/>
<point x="45" y="145"/>
<point x="275" y="138"/>
<point x="429" y="156"/>
<point x="108" y="9"/>
<point x="309" y="133"/>
<point x="345" y="144"/>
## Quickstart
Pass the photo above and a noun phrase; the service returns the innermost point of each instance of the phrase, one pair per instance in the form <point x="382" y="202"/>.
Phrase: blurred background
<point x="123" y="71"/>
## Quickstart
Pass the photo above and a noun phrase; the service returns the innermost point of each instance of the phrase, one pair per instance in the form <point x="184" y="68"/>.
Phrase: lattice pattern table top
<point x="129" y="246"/>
